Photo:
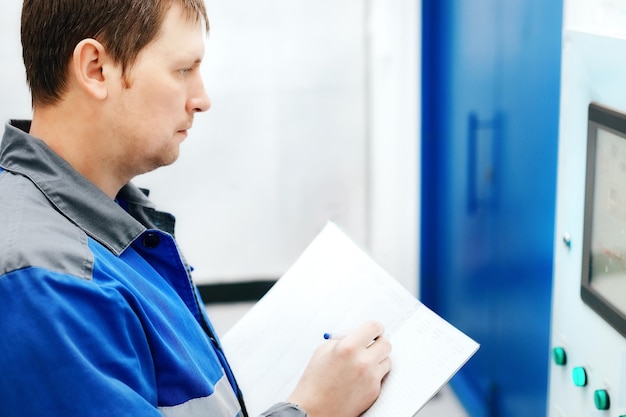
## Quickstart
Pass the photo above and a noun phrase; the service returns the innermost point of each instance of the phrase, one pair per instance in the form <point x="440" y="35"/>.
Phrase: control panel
<point x="588" y="348"/>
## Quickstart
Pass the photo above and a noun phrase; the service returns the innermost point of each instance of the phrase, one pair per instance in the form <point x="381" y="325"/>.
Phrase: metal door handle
<point x="482" y="161"/>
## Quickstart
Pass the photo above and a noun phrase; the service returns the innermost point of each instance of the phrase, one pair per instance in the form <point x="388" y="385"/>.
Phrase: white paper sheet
<point x="335" y="286"/>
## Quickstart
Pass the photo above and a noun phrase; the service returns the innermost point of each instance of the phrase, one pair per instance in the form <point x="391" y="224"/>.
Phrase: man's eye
<point x="184" y="71"/>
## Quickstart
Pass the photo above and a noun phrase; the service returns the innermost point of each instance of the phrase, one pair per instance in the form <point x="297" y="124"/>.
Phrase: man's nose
<point x="199" y="100"/>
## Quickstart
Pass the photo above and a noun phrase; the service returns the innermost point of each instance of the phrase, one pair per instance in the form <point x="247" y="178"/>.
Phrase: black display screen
<point x="603" y="284"/>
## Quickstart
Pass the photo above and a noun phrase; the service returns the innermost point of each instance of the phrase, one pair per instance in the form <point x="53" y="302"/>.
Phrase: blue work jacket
<point x="98" y="313"/>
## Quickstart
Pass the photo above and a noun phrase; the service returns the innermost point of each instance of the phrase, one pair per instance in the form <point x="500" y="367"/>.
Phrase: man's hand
<point x="344" y="376"/>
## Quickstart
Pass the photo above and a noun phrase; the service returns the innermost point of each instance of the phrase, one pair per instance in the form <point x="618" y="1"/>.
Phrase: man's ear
<point x="89" y="60"/>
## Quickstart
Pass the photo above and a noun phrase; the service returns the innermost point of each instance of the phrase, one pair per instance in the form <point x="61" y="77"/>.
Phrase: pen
<point x="337" y="336"/>
<point x="329" y="336"/>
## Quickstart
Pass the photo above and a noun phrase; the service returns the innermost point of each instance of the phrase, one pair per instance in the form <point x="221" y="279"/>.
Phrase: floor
<point x="443" y="404"/>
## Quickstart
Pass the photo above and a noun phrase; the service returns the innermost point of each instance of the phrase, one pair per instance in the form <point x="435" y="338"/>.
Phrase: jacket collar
<point x="69" y="192"/>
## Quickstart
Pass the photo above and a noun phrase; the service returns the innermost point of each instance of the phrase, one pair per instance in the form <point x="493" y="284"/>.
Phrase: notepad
<point x="335" y="286"/>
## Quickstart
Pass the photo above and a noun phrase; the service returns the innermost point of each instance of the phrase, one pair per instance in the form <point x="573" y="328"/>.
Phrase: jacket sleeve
<point x="69" y="347"/>
<point x="284" y="410"/>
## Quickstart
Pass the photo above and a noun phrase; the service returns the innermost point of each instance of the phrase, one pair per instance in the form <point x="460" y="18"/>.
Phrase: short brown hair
<point x="51" y="29"/>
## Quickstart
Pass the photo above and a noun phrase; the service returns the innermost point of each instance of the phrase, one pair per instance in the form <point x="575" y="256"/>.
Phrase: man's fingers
<point x="366" y="333"/>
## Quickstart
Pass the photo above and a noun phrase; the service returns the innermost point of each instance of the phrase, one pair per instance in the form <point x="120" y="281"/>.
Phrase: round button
<point x="151" y="240"/>
<point x="579" y="375"/>
<point x="601" y="399"/>
<point x="559" y="355"/>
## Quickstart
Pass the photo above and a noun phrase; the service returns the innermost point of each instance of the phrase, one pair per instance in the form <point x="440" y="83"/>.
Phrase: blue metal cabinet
<point x="491" y="71"/>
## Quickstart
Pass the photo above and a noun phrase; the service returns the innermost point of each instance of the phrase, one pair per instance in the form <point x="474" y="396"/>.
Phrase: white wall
<point x="315" y="117"/>
<point x="394" y="123"/>
<point x="607" y="17"/>
<point x="14" y="95"/>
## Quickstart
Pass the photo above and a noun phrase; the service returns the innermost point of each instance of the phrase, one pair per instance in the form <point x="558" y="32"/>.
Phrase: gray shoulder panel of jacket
<point x="34" y="234"/>
<point x="222" y="403"/>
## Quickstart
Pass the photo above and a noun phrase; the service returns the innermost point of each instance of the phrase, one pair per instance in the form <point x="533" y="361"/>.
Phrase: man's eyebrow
<point x="196" y="59"/>
<point x="189" y="61"/>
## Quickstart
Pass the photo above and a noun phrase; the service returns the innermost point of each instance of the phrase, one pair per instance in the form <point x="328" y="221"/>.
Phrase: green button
<point x="601" y="398"/>
<point x="579" y="375"/>
<point x="560" y="358"/>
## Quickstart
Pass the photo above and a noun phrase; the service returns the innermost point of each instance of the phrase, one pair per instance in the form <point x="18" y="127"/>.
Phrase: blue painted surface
<point x="489" y="152"/>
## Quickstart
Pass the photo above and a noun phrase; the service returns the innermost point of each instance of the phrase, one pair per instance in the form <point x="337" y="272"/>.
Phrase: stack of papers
<point x="333" y="287"/>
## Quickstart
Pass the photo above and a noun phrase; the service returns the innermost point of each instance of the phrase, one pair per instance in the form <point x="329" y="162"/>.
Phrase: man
<point x="99" y="314"/>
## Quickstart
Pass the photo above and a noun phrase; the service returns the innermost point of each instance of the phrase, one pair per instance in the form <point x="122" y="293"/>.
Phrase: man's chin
<point x="163" y="160"/>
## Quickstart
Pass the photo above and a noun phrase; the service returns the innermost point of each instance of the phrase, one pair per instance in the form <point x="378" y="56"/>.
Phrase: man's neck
<point x="74" y="138"/>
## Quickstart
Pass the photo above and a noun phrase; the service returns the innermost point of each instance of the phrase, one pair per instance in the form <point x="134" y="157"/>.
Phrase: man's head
<point x="51" y="29"/>
<point x="115" y="83"/>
